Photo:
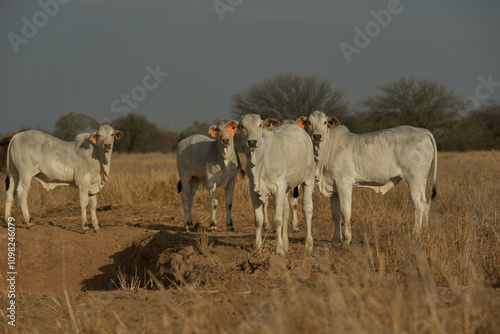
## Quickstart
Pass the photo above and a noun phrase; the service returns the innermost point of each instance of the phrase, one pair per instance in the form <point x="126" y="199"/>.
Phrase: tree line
<point x="407" y="101"/>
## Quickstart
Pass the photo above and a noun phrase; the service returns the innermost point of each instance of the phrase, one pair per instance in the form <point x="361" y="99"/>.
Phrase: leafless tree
<point x="290" y="96"/>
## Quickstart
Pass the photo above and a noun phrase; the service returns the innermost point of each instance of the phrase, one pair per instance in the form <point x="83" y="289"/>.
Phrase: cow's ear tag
<point x="230" y="131"/>
<point x="213" y="131"/>
<point x="302" y="123"/>
<point x="270" y="127"/>
<point x="333" y="122"/>
<point x="94" y="138"/>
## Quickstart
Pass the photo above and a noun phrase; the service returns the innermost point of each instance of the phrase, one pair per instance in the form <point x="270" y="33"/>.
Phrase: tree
<point x="72" y="124"/>
<point x="409" y="101"/>
<point x="478" y="130"/>
<point x="142" y="136"/>
<point x="196" y="128"/>
<point x="290" y="96"/>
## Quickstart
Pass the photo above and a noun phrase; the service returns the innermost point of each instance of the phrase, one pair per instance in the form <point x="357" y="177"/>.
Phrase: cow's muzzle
<point x="107" y="148"/>
<point x="316" y="138"/>
<point x="225" y="142"/>
<point x="252" y="144"/>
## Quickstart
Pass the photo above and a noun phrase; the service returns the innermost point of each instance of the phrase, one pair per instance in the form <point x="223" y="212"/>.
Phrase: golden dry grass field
<point x="145" y="274"/>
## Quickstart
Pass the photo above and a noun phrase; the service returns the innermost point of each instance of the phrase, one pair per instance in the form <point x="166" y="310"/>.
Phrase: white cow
<point x="294" y="200"/>
<point x="83" y="163"/>
<point x="277" y="162"/>
<point x="214" y="163"/>
<point x="376" y="160"/>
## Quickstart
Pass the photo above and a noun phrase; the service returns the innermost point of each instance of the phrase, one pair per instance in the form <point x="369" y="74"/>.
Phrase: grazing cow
<point x="277" y="162"/>
<point x="376" y="160"/>
<point x="83" y="163"/>
<point x="214" y="163"/>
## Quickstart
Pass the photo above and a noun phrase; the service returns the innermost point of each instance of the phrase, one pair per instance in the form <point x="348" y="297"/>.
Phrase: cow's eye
<point x="325" y="122"/>
<point x="260" y="125"/>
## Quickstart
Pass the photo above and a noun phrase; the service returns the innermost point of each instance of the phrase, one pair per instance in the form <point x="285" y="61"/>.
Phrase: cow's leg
<point x="418" y="197"/>
<point x="84" y="202"/>
<point x="286" y="216"/>
<point x="294" y="204"/>
<point x="9" y="194"/>
<point x="229" y="204"/>
<point x="212" y="190"/>
<point x="279" y="202"/>
<point x="93" y="207"/>
<point x="307" y="204"/>
<point x="187" y="194"/>
<point x="259" y="213"/>
<point x="345" y="197"/>
<point x="266" y="224"/>
<point x="23" y="188"/>
<point x="337" y="214"/>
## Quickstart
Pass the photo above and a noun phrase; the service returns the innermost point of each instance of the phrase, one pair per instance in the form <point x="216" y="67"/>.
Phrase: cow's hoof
<point x="230" y="228"/>
<point x="98" y="231"/>
<point x="296" y="229"/>
<point x="281" y="253"/>
<point x="32" y="228"/>
<point x="86" y="231"/>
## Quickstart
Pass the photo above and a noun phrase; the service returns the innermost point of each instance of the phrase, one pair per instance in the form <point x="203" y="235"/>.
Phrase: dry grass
<point x="389" y="281"/>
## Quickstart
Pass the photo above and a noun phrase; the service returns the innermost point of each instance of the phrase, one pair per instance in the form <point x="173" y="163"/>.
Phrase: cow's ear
<point x="94" y="138"/>
<point x="301" y="121"/>
<point x="232" y="128"/>
<point x="333" y="122"/>
<point x="271" y="123"/>
<point x="118" y="135"/>
<point x="213" y="131"/>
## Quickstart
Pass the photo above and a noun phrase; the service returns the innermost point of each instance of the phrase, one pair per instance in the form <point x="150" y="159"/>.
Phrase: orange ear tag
<point x="94" y="139"/>
<point x="301" y="124"/>
<point x="231" y="131"/>
<point x="212" y="132"/>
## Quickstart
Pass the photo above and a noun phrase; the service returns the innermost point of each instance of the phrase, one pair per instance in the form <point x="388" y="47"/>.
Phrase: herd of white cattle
<point x="281" y="159"/>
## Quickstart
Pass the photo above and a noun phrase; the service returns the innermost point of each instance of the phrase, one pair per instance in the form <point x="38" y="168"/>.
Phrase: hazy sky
<point x="181" y="61"/>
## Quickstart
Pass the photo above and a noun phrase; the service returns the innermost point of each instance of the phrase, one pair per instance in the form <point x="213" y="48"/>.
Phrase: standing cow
<point x="294" y="197"/>
<point x="214" y="163"/>
<point x="277" y="162"/>
<point x="83" y="163"/>
<point x="376" y="160"/>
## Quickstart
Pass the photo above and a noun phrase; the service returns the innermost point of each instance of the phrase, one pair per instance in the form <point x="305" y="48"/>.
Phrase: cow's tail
<point x="7" y="165"/>
<point x="434" y="185"/>
<point x="179" y="186"/>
